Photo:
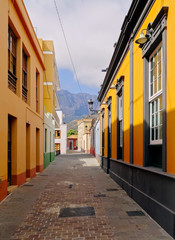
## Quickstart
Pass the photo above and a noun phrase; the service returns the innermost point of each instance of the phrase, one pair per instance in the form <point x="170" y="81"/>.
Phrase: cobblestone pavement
<point x="73" y="199"/>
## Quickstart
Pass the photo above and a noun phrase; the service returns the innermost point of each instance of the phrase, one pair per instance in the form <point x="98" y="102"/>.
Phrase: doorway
<point x="109" y="137"/>
<point x="11" y="149"/>
<point x="9" y="166"/>
<point x="27" y="150"/>
<point x="70" y="145"/>
<point x="37" y="149"/>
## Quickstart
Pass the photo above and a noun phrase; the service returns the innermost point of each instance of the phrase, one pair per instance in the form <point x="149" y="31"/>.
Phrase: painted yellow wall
<point x="48" y="98"/>
<point x="170" y="87"/>
<point x="50" y="75"/>
<point x="138" y="94"/>
<point x="106" y="131"/>
<point x="3" y="85"/>
<point x="12" y="104"/>
<point x="47" y="45"/>
<point x="124" y="70"/>
<point x="138" y="107"/>
<point x="138" y="87"/>
<point x="101" y="130"/>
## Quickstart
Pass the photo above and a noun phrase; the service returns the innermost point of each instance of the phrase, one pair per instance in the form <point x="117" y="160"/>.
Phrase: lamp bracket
<point x="149" y="30"/>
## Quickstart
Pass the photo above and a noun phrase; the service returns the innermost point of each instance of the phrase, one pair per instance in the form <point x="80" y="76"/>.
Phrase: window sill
<point x="155" y="144"/>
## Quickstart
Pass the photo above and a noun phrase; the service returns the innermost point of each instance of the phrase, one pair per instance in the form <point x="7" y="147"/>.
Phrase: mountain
<point x="75" y="106"/>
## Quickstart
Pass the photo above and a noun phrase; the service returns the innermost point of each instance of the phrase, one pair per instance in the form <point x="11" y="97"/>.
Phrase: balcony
<point x="12" y="82"/>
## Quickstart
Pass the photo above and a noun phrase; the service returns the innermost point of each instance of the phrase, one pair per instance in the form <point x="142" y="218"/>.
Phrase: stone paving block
<point x="51" y="192"/>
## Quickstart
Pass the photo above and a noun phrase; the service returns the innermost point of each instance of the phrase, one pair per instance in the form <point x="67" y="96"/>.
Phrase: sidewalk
<point x="73" y="199"/>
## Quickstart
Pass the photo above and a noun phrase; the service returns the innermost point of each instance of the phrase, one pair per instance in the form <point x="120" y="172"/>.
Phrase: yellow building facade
<point x="137" y="110"/>
<point x="21" y="97"/>
<point x="51" y="85"/>
<point x="51" y="82"/>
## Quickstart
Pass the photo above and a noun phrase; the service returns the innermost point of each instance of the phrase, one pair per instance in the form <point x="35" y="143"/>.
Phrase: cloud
<point x="91" y="28"/>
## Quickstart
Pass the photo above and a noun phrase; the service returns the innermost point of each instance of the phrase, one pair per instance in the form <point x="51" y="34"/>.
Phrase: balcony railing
<point x="24" y="94"/>
<point x="12" y="82"/>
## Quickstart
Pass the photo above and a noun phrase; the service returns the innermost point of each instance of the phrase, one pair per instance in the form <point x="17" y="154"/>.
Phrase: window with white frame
<point x="120" y="99"/>
<point x="109" y="127"/>
<point x="155" y="96"/>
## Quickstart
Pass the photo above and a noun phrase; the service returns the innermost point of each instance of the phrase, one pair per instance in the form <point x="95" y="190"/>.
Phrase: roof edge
<point x="130" y="22"/>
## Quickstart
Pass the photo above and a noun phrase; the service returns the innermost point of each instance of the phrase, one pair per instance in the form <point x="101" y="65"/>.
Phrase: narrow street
<point x="73" y="199"/>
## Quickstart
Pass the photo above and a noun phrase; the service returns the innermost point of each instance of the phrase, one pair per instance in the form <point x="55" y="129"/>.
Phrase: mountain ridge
<point x="75" y="105"/>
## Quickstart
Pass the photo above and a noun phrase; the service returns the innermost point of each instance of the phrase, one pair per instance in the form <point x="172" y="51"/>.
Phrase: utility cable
<point x="68" y="49"/>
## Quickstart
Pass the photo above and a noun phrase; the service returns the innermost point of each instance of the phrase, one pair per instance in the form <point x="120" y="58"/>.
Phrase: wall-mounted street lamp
<point x="104" y="103"/>
<point x="113" y="86"/>
<point x="143" y="38"/>
<point x="91" y="106"/>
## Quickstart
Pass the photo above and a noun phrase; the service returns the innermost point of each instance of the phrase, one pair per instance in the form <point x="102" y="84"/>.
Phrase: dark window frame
<point x="103" y="131"/>
<point x="58" y="134"/>
<point x="120" y="93"/>
<point x="109" y="103"/>
<point x="12" y="55"/>
<point x="158" y="34"/>
<point x="37" y="91"/>
<point x="24" y="76"/>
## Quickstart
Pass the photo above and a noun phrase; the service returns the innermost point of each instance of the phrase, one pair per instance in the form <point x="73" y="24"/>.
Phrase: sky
<point x="91" y="28"/>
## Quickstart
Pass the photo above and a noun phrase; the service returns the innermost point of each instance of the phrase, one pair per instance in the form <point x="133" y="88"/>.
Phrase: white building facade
<point x="49" y="139"/>
<point x="60" y="135"/>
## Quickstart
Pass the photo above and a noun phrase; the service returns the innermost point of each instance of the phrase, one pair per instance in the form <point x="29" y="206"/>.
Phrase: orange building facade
<point x="21" y="98"/>
<point x="137" y="110"/>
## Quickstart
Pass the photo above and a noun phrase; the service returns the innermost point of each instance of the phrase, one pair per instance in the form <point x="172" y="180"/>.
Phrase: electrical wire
<point x="68" y="49"/>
